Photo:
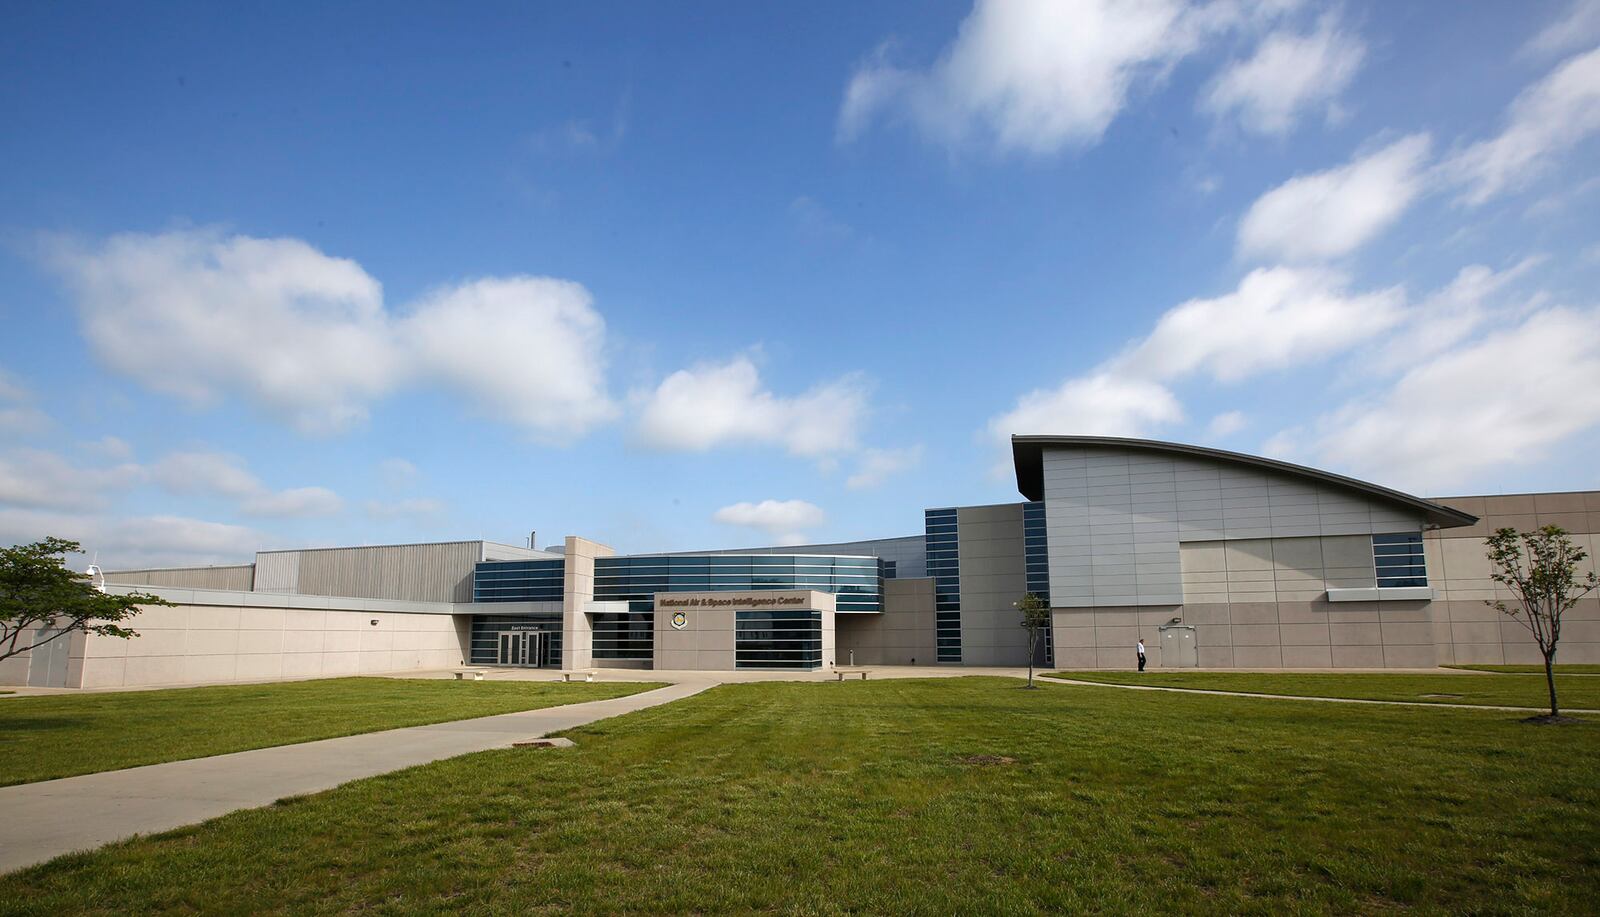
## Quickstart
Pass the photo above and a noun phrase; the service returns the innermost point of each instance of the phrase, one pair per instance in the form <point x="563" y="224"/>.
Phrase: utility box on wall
<point x="1178" y="646"/>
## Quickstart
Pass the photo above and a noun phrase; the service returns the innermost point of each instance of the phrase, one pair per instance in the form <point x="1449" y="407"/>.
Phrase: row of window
<point x="857" y="581"/>
<point x="941" y="543"/>
<point x="777" y="639"/>
<point x="1036" y="557"/>
<point x="1398" y="560"/>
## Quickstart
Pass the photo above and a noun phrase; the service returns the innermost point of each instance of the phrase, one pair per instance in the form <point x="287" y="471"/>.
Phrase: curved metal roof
<point x="1027" y="453"/>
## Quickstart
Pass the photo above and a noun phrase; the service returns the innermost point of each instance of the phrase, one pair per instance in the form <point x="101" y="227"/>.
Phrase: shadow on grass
<point x="33" y="724"/>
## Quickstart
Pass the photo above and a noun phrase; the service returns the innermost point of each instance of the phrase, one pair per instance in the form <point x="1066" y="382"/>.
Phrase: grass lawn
<point x="932" y="796"/>
<point x="1573" y="669"/>
<point x="60" y="735"/>
<point x="1509" y="691"/>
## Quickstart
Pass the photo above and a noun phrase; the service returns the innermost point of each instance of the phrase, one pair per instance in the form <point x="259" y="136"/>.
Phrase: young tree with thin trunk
<point x="1540" y="568"/>
<point x="1035" y="617"/>
<point x="41" y="600"/>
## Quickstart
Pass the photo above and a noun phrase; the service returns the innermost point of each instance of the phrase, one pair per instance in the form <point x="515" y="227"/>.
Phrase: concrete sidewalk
<point x="39" y="821"/>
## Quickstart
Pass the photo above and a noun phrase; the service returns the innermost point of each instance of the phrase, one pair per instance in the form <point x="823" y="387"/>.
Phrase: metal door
<point x="1178" y="648"/>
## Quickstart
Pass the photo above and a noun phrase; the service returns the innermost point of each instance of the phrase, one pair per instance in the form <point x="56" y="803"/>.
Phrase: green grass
<point x="51" y="736"/>
<point x="1573" y="669"/>
<point x="1509" y="691"/>
<point x="867" y="797"/>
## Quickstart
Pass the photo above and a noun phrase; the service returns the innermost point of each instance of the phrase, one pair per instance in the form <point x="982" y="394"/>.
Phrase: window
<point x="1399" y="561"/>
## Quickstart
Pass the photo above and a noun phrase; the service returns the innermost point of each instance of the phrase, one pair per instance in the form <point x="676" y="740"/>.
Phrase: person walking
<point x="1141" y="654"/>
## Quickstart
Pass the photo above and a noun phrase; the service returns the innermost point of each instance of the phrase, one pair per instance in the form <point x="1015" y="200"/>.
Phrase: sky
<point x="686" y="276"/>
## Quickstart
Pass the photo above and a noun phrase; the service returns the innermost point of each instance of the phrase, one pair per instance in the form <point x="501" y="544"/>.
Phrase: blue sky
<point x="676" y="276"/>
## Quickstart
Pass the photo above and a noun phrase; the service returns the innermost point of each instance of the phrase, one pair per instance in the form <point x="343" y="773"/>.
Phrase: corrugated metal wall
<point x="236" y="578"/>
<point x="414" y="572"/>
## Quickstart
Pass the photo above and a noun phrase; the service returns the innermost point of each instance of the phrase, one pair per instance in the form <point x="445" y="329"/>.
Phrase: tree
<point x="36" y="588"/>
<point x="1540" y="568"/>
<point x="1035" y="617"/>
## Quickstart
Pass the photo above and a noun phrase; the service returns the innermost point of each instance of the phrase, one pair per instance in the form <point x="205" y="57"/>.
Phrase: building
<point x="1215" y="559"/>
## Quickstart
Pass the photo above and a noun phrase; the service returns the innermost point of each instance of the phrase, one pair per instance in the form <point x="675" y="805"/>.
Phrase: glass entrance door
<point x="523" y="648"/>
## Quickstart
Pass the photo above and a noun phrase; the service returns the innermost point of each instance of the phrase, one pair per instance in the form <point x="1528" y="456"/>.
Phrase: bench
<point x="862" y="672"/>
<point x="474" y="674"/>
<point x="574" y="676"/>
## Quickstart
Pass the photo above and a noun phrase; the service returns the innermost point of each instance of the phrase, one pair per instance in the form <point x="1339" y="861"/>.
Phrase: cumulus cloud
<point x="1277" y="318"/>
<point x="1288" y="74"/>
<point x="1447" y="316"/>
<point x="716" y="404"/>
<point x="1101" y="403"/>
<point x="40" y="479"/>
<point x="784" y="520"/>
<point x="202" y="315"/>
<point x="1036" y="76"/>
<point x="135" y="541"/>
<point x="1548" y="118"/>
<point x="216" y="474"/>
<point x="1332" y="213"/>
<point x="879" y="465"/>
<point x="1503" y="400"/>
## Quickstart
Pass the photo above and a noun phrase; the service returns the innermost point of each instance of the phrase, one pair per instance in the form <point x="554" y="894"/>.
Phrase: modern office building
<point x="1215" y="559"/>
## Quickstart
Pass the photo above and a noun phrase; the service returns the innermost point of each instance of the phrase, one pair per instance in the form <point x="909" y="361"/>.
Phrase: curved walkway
<point x="1330" y="700"/>
<point x="39" y="821"/>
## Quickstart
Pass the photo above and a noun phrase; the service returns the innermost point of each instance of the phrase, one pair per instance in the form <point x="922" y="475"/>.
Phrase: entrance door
<point x="523" y="648"/>
<point x="1178" y="647"/>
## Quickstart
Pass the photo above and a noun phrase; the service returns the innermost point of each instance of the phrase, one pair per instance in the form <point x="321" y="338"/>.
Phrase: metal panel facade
<point x="236" y="578"/>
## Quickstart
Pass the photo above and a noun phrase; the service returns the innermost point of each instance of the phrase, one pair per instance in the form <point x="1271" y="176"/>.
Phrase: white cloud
<point x="207" y="473"/>
<point x="1331" y="213"/>
<point x="22" y="421"/>
<point x="201" y="315"/>
<point x="1287" y="74"/>
<point x="409" y="507"/>
<point x="1549" y="117"/>
<point x="18" y="418"/>
<point x="878" y="465"/>
<point x="296" y="502"/>
<point x="528" y="350"/>
<point x="1039" y="75"/>
<point x="112" y="447"/>
<point x="1504" y="400"/>
<point x="1226" y="424"/>
<point x="1100" y="404"/>
<point x="711" y="405"/>
<point x="1446" y="317"/>
<point x="41" y="479"/>
<point x="215" y="474"/>
<point x="139" y="541"/>
<point x="1277" y="318"/>
<point x="1579" y="28"/>
<point x="784" y="520"/>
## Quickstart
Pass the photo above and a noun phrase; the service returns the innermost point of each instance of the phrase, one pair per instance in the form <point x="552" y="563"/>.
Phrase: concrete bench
<point x="463" y="674"/>
<point x="862" y="672"/>
<point x="575" y="676"/>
